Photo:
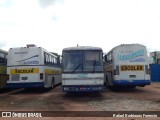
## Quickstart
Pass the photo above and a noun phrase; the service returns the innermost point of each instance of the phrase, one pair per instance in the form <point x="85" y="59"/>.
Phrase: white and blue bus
<point x="33" y="66"/>
<point x="82" y="69"/>
<point x="127" y="65"/>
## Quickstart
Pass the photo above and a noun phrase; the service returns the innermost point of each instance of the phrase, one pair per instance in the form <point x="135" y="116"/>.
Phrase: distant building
<point x="154" y="57"/>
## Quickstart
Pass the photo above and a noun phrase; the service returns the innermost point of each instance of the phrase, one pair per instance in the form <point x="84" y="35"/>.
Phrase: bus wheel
<point x="53" y="83"/>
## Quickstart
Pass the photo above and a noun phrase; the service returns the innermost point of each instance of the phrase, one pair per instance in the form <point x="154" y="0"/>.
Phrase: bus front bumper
<point x="82" y="88"/>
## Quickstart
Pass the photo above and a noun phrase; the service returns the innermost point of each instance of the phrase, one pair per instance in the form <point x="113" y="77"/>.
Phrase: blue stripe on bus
<point x="131" y="82"/>
<point x="82" y="88"/>
<point x="25" y="85"/>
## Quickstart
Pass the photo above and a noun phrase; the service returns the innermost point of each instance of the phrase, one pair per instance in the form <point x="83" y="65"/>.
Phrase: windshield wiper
<point x="76" y="67"/>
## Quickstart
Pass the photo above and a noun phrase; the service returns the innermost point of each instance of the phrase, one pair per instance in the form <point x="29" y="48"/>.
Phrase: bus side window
<point x="55" y="61"/>
<point x="52" y="61"/>
<point x="44" y="58"/>
<point x="46" y="61"/>
<point x="108" y="58"/>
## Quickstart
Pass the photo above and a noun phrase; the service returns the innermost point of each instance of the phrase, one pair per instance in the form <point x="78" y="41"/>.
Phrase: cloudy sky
<point x="56" y="24"/>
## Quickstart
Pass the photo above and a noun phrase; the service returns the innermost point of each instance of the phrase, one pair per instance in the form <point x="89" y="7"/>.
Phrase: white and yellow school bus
<point x="32" y="66"/>
<point x="127" y="65"/>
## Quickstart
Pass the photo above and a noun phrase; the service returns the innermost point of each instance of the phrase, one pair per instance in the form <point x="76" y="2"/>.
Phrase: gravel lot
<point x="124" y="105"/>
<point x="139" y="99"/>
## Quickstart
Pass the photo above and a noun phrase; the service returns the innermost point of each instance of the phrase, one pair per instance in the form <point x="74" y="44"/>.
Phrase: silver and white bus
<point x="127" y="65"/>
<point x="33" y="66"/>
<point x="82" y="69"/>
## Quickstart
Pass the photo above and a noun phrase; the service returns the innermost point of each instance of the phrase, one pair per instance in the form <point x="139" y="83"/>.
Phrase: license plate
<point x="15" y="77"/>
<point x="24" y="78"/>
<point x="132" y="76"/>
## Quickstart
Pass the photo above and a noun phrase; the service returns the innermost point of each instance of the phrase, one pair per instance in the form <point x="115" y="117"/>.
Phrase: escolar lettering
<point x="24" y="70"/>
<point x="132" y="68"/>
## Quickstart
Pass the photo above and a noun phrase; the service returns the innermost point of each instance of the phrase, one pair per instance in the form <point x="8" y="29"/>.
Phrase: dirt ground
<point x="139" y="99"/>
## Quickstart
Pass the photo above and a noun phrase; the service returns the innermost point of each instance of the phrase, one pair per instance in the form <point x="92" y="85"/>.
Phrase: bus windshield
<point x="82" y="61"/>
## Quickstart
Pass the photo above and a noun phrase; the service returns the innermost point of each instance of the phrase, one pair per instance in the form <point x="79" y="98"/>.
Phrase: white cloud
<point x="102" y="23"/>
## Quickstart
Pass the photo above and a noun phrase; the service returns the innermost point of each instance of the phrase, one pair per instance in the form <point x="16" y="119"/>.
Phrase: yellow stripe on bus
<point x="132" y="67"/>
<point x="24" y="71"/>
<point x="50" y="71"/>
